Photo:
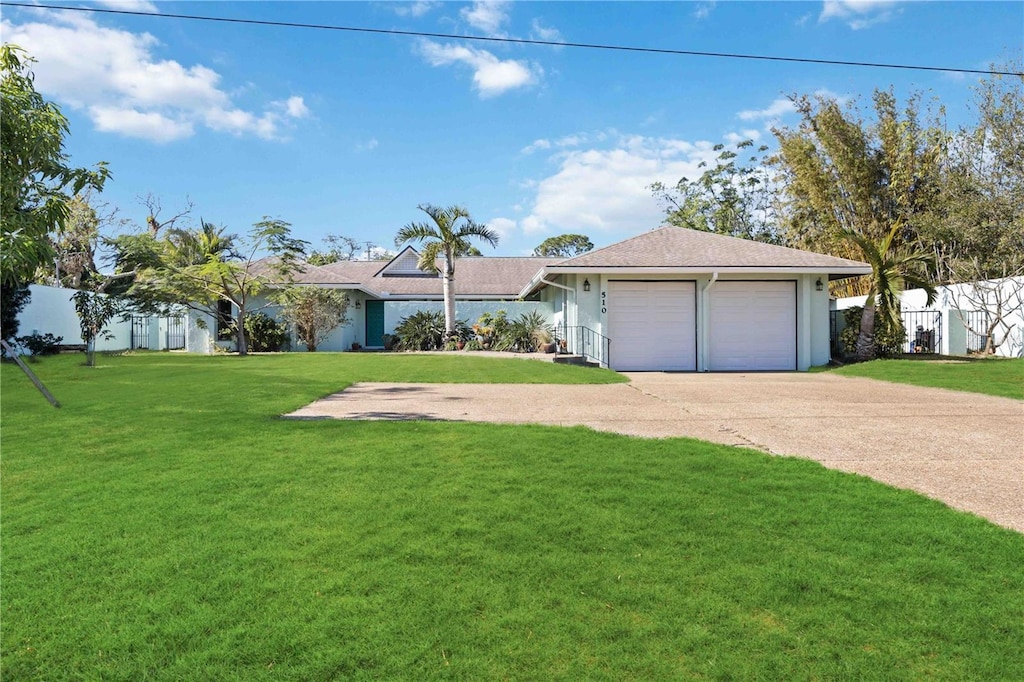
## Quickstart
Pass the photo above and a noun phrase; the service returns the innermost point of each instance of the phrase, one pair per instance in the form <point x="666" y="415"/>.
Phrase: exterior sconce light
<point x="586" y="285"/>
<point x="818" y="286"/>
<point x="360" y="305"/>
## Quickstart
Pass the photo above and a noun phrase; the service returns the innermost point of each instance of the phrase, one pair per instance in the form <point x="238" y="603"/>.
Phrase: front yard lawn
<point x="166" y="524"/>
<point x="993" y="376"/>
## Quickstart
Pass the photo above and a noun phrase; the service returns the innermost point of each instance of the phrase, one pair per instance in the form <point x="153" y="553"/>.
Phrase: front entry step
<point x="568" y="359"/>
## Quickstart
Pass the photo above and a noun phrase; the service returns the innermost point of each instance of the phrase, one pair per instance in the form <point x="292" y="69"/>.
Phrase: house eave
<point x="833" y="273"/>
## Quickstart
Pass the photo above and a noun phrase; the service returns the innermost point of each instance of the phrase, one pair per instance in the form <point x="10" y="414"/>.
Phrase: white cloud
<point x="703" y="10"/>
<point x="126" y="89"/>
<point x="536" y="145"/>
<point x="743" y="136"/>
<point x="131" y="5"/>
<point x="416" y="9"/>
<point x="505" y="227"/>
<point x="574" y="140"/>
<point x="149" y="126"/>
<point x="778" y="108"/>
<point x="858" y="14"/>
<point x="491" y="76"/>
<point x="607" y="190"/>
<point x="368" y="145"/>
<point x="296" y="107"/>
<point x="546" y="33"/>
<point x="487" y="16"/>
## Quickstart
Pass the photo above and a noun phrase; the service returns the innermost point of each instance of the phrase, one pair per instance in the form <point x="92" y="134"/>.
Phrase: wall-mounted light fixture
<point x="586" y="285"/>
<point x="818" y="286"/>
<point x="358" y="305"/>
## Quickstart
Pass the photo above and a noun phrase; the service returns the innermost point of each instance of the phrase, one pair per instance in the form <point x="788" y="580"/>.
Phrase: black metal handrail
<point x="584" y="341"/>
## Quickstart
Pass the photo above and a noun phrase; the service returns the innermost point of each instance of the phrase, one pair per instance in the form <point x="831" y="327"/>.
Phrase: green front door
<point x="374" y="324"/>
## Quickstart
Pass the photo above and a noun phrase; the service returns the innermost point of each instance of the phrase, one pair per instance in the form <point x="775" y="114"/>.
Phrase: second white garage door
<point x="752" y="326"/>
<point x="652" y="326"/>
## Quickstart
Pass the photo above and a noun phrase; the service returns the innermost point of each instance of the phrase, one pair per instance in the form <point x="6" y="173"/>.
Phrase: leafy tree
<point x="841" y="176"/>
<point x="94" y="311"/>
<point x="339" y="248"/>
<point x="978" y="228"/>
<point x="314" y="312"/>
<point x="564" y="246"/>
<point x="893" y="269"/>
<point x="36" y="182"/>
<point x="13" y="298"/>
<point x="200" y="268"/>
<point x="446" y="236"/>
<point x="728" y="198"/>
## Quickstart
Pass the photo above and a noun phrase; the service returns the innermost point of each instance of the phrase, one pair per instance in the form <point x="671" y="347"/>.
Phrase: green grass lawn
<point x="166" y="524"/>
<point x="994" y="376"/>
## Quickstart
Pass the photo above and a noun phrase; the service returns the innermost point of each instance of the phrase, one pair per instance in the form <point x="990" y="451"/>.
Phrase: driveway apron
<point x="964" y="449"/>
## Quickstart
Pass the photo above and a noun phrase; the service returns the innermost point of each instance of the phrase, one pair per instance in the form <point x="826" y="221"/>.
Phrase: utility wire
<point x="517" y="41"/>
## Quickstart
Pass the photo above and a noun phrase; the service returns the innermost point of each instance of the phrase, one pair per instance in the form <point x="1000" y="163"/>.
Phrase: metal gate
<point x="924" y="331"/>
<point x="175" y="333"/>
<point x="975" y="324"/>
<point x="140" y="333"/>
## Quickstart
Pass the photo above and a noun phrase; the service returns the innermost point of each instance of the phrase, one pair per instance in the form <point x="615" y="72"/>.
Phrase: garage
<point x="752" y="326"/>
<point x="652" y="325"/>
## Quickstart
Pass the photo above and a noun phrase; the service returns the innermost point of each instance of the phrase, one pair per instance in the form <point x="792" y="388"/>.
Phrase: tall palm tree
<point x="447" y="237"/>
<point x="893" y="269"/>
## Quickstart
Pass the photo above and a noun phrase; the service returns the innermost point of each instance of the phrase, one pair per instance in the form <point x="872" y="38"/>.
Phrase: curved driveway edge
<point x="964" y="449"/>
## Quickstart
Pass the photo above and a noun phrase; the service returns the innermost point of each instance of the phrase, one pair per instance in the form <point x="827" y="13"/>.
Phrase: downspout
<point x="705" y="337"/>
<point x="570" y="290"/>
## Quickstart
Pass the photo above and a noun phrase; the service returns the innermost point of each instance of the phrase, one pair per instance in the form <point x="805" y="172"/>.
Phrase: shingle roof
<point x="684" y="248"/>
<point x="474" y="276"/>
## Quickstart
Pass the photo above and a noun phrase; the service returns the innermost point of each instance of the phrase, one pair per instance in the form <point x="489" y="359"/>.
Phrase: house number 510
<point x="604" y="301"/>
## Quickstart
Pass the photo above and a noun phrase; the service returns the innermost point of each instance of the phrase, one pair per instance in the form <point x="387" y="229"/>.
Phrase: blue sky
<point x="346" y="133"/>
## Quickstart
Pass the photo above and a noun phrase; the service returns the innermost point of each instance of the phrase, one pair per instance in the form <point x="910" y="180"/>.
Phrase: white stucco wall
<point x="469" y="311"/>
<point x="954" y="335"/>
<point x="51" y="311"/>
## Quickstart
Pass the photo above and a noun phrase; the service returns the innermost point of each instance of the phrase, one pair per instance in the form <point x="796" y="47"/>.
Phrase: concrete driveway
<point x="962" y="448"/>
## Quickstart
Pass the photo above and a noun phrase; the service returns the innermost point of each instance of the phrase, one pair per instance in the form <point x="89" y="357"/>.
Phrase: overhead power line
<point x="517" y="41"/>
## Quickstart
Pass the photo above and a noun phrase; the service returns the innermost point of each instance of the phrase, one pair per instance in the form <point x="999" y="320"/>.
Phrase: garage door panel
<point x="652" y="326"/>
<point x="752" y="326"/>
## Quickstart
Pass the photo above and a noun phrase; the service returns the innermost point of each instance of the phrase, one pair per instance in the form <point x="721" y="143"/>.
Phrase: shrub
<point x="530" y="331"/>
<point x="493" y="332"/>
<point x="889" y="339"/>
<point x="41" y="344"/>
<point x="314" y="313"/>
<point x="265" y="334"/>
<point x="422" y="330"/>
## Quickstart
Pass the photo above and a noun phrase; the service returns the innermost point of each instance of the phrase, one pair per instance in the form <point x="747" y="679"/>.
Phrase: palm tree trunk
<point x="448" y="284"/>
<point x="866" y="338"/>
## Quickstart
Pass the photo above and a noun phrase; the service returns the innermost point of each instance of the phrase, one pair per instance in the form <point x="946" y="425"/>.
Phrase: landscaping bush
<point x="493" y="332"/>
<point x="889" y="339"/>
<point x="265" y="334"/>
<point x="41" y="344"/>
<point x="530" y="331"/>
<point x="422" y="330"/>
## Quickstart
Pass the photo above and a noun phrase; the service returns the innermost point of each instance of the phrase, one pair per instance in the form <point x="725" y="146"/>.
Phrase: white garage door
<point x="652" y="326"/>
<point x="752" y="326"/>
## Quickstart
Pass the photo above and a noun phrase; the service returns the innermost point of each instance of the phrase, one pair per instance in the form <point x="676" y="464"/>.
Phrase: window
<point x="225" y="321"/>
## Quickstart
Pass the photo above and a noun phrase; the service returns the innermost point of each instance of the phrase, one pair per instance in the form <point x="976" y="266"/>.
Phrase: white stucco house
<point x="669" y="299"/>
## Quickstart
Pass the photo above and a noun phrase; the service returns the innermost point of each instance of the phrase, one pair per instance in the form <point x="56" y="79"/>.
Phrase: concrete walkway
<point x="965" y="449"/>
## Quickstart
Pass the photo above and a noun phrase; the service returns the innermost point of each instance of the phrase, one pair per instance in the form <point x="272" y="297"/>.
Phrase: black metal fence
<point x="140" y="333"/>
<point x="924" y="331"/>
<point x="835" y="325"/>
<point x="975" y="324"/>
<point x="175" y="333"/>
<point x="584" y="341"/>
